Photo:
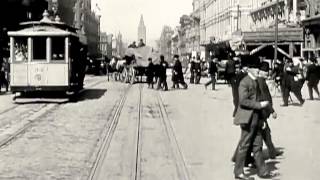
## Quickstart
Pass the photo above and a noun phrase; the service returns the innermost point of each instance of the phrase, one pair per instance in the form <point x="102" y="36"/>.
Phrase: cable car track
<point x="175" y="148"/>
<point x="35" y="116"/>
<point x="103" y="149"/>
<point x="136" y="166"/>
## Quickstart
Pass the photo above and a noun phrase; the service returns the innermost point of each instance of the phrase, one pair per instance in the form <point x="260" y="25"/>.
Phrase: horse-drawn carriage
<point x="133" y="66"/>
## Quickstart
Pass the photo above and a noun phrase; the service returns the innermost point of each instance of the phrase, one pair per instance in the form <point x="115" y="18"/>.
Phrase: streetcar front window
<point x="58" y="48"/>
<point x="21" y="49"/>
<point x="39" y="48"/>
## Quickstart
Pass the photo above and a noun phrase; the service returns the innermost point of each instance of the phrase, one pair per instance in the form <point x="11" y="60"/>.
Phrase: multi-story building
<point x="251" y="25"/>
<point x="78" y="13"/>
<point x="142" y="34"/>
<point x="220" y="19"/>
<point x="118" y="46"/>
<point x="106" y="44"/>
<point x="103" y="44"/>
<point x="312" y="29"/>
<point x="261" y="39"/>
<point x="14" y="12"/>
<point x="192" y="30"/>
<point x="165" y="42"/>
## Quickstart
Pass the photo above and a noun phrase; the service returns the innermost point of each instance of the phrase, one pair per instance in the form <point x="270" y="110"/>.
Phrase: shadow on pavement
<point x="59" y="97"/>
<point x="89" y="94"/>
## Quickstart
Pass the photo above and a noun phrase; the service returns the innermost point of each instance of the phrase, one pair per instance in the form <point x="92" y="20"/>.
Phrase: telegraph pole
<point x="276" y="32"/>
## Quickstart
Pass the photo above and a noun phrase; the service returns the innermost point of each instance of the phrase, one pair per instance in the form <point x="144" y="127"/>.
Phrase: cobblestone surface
<point x="62" y="144"/>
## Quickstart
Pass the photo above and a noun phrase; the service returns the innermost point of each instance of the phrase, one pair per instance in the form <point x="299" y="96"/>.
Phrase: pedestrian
<point x="291" y="82"/>
<point x="277" y="74"/>
<point x="197" y="70"/>
<point x="239" y="76"/>
<point x="150" y="73"/>
<point x="265" y="113"/>
<point x="247" y="117"/>
<point x="3" y="80"/>
<point x="212" y="72"/>
<point x="230" y="71"/>
<point x="177" y="74"/>
<point x="192" y="70"/>
<point x="312" y="78"/>
<point x="162" y="72"/>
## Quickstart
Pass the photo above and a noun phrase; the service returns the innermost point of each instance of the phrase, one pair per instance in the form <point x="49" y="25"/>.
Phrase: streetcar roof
<point x="42" y="29"/>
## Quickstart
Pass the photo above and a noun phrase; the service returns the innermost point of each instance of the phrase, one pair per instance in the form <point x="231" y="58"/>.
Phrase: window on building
<point x="58" y="49"/>
<point x="39" y="48"/>
<point x="21" y="49"/>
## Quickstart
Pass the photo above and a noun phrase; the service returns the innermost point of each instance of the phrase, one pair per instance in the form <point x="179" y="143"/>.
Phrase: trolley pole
<point x="276" y="32"/>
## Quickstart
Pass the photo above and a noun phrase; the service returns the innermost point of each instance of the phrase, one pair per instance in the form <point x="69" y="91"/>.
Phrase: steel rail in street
<point x="104" y="147"/>
<point x="31" y="119"/>
<point x="136" y="174"/>
<point x="176" y="150"/>
<point x="103" y="150"/>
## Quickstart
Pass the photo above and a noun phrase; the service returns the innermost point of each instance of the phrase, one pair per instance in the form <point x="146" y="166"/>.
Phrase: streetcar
<point x="46" y="56"/>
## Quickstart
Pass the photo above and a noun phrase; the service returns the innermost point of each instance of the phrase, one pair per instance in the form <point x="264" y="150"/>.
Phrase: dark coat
<point x="239" y="77"/>
<point x="312" y="73"/>
<point x="162" y="69"/>
<point x="212" y="68"/>
<point x="264" y="95"/>
<point x="177" y="72"/>
<point x="247" y="101"/>
<point x="150" y="72"/>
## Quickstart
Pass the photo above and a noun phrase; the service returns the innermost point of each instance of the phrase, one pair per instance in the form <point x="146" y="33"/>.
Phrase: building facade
<point x="290" y="33"/>
<point x="311" y="26"/>
<point x="165" y="42"/>
<point x="78" y="13"/>
<point x="14" y="12"/>
<point x="142" y="32"/>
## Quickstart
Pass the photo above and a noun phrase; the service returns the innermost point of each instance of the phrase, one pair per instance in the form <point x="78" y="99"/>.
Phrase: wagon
<point x="138" y="67"/>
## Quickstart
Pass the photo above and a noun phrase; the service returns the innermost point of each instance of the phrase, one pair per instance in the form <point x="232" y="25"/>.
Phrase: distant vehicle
<point x="96" y="66"/>
<point x="46" y="56"/>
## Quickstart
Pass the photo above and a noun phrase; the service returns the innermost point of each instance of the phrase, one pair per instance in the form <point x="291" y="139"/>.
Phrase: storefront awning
<point x="268" y="35"/>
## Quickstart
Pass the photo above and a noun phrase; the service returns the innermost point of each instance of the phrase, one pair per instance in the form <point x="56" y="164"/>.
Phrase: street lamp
<point x="276" y="32"/>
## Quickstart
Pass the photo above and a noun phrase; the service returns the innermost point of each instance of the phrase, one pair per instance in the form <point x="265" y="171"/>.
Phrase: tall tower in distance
<point x="142" y="31"/>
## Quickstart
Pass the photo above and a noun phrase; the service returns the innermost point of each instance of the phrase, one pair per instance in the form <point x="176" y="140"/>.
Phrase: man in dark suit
<point x="192" y="69"/>
<point x="162" y="72"/>
<point x="247" y="117"/>
<point x="213" y="70"/>
<point x="264" y="95"/>
<point x="290" y="84"/>
<point x="312" y="78"/>
<point x="177" y="74"/>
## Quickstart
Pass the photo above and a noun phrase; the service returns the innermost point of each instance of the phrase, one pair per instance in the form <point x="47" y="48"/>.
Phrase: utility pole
<point x="276" y="32"/>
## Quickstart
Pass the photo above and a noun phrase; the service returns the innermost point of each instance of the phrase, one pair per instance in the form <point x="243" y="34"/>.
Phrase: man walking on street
<point x="312" y="78"/>
<point x="197" y="69"/>
<point x="290" y="83"/>
<point x="247" y="117"/>
<point x="177" y="74"/>
<point x="212" y="71"/>
<point x="162" y="82"/>
<point x="150" y="73"/>
<point x="192" y="70"/>
<point x="265" y="113"/>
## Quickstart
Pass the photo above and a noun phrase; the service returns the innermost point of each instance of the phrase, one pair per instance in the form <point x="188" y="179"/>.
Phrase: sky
<point x="124" y="16"/>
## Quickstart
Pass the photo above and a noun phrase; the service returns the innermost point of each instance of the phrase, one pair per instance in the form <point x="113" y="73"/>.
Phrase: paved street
<point x="179" y="134"/>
